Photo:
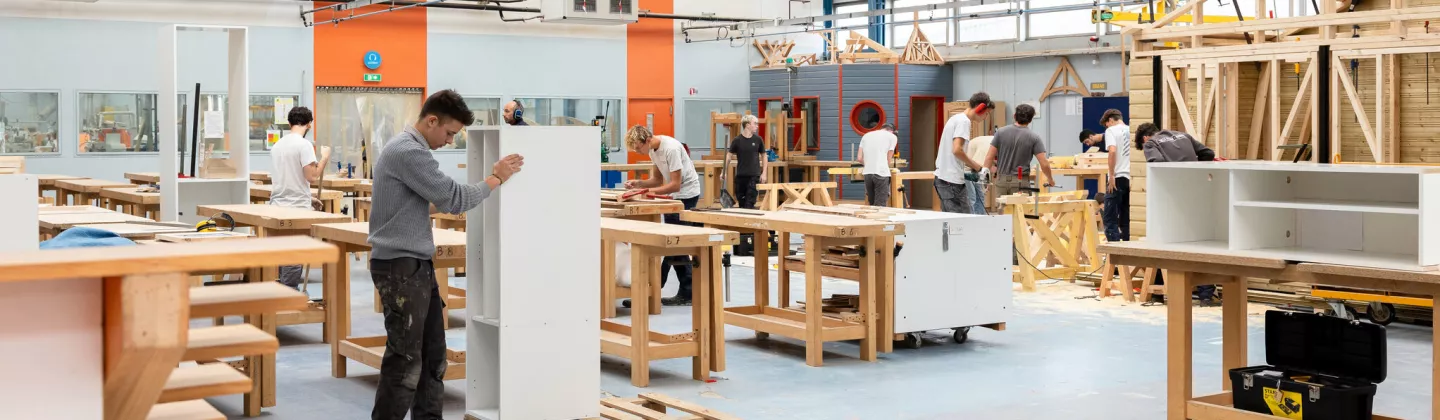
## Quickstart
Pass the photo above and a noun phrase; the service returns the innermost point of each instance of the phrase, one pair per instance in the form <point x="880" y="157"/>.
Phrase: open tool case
<point x="1321" y="368"/>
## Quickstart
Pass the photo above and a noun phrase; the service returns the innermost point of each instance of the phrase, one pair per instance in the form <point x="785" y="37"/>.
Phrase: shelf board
<point x="210" y="180"/>
<point x="483" y="414"/>
<point x="487" y="321"/>
<point x="1335" y="205"/>
<point x="1401" y="262"/>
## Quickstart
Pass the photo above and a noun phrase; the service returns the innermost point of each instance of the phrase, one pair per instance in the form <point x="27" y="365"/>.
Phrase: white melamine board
<point x="1261" y="186"/>
<point x="1394" y="189"/>
<point x="1391" y="234"/>
<point x="1187" y="205"/>
<point x="1332" y="230"/>
<point x="1429" y="219"/>
<point x="1255" y="228"/>
<point x="966" y="285"/>
<point x="51" y="352"/>
<point x="20" y="232"/>
<point x="538" y="242"/>
<point x="1356" y="206"/>
<point x="1263" y="165"/>
<point x="177" y="200"/>
<point x="192" y="192"/>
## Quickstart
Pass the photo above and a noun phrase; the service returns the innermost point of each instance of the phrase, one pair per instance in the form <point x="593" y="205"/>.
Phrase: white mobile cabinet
<point x="953" y="272"/>
<point x="1376" y="216"/>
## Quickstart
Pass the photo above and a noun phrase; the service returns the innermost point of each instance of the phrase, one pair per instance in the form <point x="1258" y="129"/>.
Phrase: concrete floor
<point x="1079" y="358"/>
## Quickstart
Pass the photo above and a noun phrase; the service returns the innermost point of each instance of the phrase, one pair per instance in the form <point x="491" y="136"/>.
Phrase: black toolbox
<point x="1321" y="368"/>
<point x="746" y="247"/>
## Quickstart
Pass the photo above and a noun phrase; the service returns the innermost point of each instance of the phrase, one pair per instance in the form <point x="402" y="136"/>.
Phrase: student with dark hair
<point x="408" y="188"/>
<point x="1011" y="151"/>
<point x="1117" y="199"/>
<point x="954" y="168"/>
<point x="1175" y="146"/>
<point x="876" y="148"/>
<point x="1090" y="139"/>
<point x="294" y="168"/>
<point x="514" y="113"/>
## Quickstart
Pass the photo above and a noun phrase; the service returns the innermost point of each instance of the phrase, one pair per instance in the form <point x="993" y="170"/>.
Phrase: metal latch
<point x="1314" y="393"/>
<point x="1249" y="380"/>
<point x="945" y="236"/>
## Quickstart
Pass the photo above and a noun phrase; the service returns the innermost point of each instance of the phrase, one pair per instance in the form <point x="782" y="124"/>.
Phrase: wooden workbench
<point x="260" y="194"/>
<point x="139" y="231"/>
<point x="454" y="222"/>
<point x="136" y="333"/>
<point x="813" y="168"/>
<point x="85" y="191"/>
<point x="649" y="242"/>
<point x="710" y="179"/>
<point x="272" y="221"/>
<point x="133" y="202"/>
<point x="365" y="189"/>
<point x="47" y="183"/>
<point x="1097" y="174"/>
<point x="142" y="178"/>
<point x="342" y="184"/>
<point x="820" y="231"/>
<point x="649" y="210"/>
<point x="52" y="223"/>
<point x="1189" y="265"/>
<point x="262" y="176"/>
<point x="351" y="237"/>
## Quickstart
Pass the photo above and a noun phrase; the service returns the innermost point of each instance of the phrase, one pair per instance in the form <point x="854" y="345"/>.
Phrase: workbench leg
<point x="1179" y="346"/>
<point x="1107" y="280"/>
<point x="267" y="362"/>
<point x="716" y="305"/>
<point x="1021" y="234"/>
<point x="1147" y="285"/>
<point x="655" y="285"/>
<point x="886" y="298"/>
<point x="337" y="307"/>
<point x="784" y="243"/>
<point x="700" y="313"/>
<point x="869" y="276"/>
<point x="642" y="268"/>
<point x="761" y="250"/>
<point x="252" y="399"/>
<point x="607" y="279"/>
<point x="442" y="282"/>
<point x="1435" y="363"/>
<point x="1234" y="329"/>
<point x="814" y="304"/>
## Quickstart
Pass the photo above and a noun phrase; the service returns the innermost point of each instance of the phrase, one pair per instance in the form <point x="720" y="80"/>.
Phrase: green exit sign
<point x="372" y="77"/>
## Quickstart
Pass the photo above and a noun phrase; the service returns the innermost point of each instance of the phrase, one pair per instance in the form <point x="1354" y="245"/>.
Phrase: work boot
<point x="675" y="301"/>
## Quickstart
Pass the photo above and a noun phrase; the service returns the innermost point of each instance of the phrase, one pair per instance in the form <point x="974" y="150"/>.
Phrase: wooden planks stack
<point x="1142" y="110"/>
<point x="655" y="406"/>
<point x="1092" y="161"/>
<point x="852" y="210"/>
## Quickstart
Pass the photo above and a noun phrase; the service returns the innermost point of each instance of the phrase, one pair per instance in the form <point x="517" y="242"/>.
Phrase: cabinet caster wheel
<point x="762" y="336"/>
<point x="912" y="341"/>
<point x="1380" y="313"/>
<point x="962" y="335"/>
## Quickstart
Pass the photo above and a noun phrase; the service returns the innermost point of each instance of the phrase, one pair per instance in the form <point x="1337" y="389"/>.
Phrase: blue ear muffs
<point x="519" y="111"/>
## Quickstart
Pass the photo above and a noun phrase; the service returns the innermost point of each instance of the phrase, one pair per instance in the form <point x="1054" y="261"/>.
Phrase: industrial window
<point x="936" y="30"/>
<point x="267" y="124"/>
<point x="989" y="28"/>
<point x="697" y="122"/>
<point x="487" y="113"/>
<point x="1070" y="22"/>
<point x="866" y="116"/>
<point x="357" y="121"/>
<point x="117" y="122"/>
<point x="577" y="111"/>
<point x="853" y="24"/>
<point x="29" y="122"/>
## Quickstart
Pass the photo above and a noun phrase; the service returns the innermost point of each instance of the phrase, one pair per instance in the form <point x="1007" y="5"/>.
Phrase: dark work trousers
<point x="745" y="191"/>
<point x="414" y="362"/>
<point x="1202" y="292"/>
<point x="877" y="190"/>
<point x="1117" y="211"/>
<point x="682" y="262"/>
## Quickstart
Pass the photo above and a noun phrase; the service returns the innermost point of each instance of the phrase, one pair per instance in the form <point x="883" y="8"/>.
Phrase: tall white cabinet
<point x="533" y="326"/>
<point x="1363" y="215"/>
<point x="179" y="196"/>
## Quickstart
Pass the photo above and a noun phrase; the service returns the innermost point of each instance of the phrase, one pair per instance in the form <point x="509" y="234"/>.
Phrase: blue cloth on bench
<point x="82" y="237"/>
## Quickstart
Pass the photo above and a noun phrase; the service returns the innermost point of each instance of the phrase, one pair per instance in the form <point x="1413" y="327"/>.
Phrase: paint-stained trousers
<point x="414" y="364"/>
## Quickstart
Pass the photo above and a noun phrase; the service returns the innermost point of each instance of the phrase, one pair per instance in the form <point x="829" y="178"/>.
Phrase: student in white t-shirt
<point x="672" y="174"/>
<point x="952" y="165"/>
<point x="876" y="148"/>
<point x="293" y="169"/>
<point x="1117" y="199"/>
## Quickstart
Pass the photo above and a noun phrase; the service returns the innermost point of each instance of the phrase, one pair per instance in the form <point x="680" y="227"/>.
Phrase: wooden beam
<point x="1322" y="20"/>
<point x="1357" y="106"/>
<point x="1179" y="100"/>
<point x="1174" y="14"/>
<point x="1380" y="109"/>
<point x="1200" y="98"/>
<point x="1300" y="97"/>
<point x="1392" y="140"/>
<point x="1275" y="103"/>
<point x="147" y="319"/>
<point x="1232" y="109"/>
<point x="1257" y="118"/>
<point x="1315" y="109"/>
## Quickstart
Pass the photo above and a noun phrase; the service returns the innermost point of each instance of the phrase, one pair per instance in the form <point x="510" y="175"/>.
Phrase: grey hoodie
<point x="1175" y="146"/>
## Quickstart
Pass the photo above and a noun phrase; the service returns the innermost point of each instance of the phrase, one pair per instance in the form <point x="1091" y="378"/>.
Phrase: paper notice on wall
<point x="283" y="105"/>
<point x="1074" y="106"/>
<point x="214" y="123"/>
<point x="271" y="136"/>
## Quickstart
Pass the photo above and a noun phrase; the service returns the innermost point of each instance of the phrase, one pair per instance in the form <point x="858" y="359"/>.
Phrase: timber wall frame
<point x="1206" y="61"/>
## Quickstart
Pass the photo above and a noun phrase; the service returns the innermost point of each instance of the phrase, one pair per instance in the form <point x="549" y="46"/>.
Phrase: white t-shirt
<point x="1118" y="136"/>
<point x="877" y="146"/>
<point x="287" y="174"/>
<point x="947" y="166"/>
<point x="671" y="156"/>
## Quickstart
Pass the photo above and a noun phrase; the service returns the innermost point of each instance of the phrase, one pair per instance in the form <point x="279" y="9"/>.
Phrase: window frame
<point x="616" y="128"/>
<point x="59" y="142"/>
<point x="78" y="123"/>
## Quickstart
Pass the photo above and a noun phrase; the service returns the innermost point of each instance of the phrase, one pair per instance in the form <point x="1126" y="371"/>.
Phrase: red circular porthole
<point x="866" y="116"/>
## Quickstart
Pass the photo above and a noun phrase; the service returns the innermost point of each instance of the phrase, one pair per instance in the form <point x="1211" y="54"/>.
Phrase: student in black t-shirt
<point x="750" y="161"/>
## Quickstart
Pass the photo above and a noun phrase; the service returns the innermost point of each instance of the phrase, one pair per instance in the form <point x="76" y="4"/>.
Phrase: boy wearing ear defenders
<point x="514" y="113"/>
<point x="952" y="165"/>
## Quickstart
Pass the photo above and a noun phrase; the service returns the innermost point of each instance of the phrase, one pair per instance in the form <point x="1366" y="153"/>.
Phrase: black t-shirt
<point x="747" y="151"/>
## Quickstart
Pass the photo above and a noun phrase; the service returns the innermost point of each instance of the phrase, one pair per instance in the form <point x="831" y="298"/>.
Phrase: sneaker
<point x="1208" y="303"/>
<point x="625" y="303"/>
<point x="675" y="301"/>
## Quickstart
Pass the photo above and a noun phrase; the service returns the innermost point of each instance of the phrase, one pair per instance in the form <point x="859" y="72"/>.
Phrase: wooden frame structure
<point x="855" y="51"/>
<point x="919" y="49"/>
<point x="772" y="53"/>
<point x="1060" y="242"/>
<point x="1064" y="72"/>
<point x="817" y="193"/>
<point x="1186" y="269"/>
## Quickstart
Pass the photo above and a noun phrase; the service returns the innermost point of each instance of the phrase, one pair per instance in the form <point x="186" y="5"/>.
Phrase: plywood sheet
<point x="163" y="258"/>
<point x="273" y="217"/>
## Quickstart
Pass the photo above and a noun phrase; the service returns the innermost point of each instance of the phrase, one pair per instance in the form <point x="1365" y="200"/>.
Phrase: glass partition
<point x="29" y="123"/>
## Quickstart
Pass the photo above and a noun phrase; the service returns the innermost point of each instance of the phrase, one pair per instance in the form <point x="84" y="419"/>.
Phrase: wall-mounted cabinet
<point x="1362" y="215"/>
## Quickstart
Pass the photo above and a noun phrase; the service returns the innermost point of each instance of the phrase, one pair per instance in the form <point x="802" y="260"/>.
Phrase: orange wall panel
<point x="399" y="36"/>
<point x="650" y="71"/>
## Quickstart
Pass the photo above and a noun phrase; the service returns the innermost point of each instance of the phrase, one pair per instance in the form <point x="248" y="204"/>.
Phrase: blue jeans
<point x="979" y="194"/>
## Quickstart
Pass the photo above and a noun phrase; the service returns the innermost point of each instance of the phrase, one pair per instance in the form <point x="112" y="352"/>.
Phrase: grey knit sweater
<point x="407" y="180"/>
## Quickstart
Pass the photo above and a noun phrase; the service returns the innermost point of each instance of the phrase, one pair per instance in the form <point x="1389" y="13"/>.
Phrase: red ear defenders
<point x="981" y="107"/>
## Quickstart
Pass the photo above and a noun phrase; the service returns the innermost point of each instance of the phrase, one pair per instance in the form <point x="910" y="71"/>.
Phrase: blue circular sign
<point x="372" y="60"/>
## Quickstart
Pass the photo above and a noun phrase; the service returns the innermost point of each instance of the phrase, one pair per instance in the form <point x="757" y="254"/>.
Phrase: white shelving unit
<point x="178" y="197"/>
<point x="533" y="325"/>
<point x="1362" y="215"/>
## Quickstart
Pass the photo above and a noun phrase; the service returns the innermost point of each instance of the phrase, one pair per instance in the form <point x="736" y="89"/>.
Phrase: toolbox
<point x="1320" y="368"/>
<point x="746" y="247"/>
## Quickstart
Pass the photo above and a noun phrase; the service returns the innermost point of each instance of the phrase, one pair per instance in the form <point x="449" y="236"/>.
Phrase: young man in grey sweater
<point x="408" y="188"/>
<point x="1175" y="146"/>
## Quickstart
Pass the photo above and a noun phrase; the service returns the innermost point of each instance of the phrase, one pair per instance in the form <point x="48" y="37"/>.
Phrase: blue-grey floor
<point x="1060" y="356"/>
